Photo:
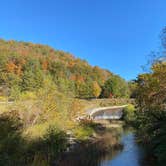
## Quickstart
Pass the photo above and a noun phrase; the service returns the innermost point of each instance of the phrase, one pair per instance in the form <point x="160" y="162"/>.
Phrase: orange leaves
<point x="11" y="67"/>
<point x="80" y="79"/>
<point x="77" y="78"/>
<point x="23" y="52"/>
<point x="71" y="64"/>
<point x="45" y="65"/>
<point x="73" y="77"/>
<point x="19" y="70"/>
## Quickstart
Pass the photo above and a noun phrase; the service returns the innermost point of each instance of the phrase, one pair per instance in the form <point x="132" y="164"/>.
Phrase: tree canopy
<point x="115" y="86"/>
<point x="150" y="92"/>
<point x="24" y="66"/>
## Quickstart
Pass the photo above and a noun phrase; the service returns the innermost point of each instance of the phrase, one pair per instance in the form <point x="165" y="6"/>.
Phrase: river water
<point x="131" y="155"/>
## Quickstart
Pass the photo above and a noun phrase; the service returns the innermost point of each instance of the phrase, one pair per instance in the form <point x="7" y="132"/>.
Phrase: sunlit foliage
<point x="24" y="66"/>
<point x="151" y="115"/>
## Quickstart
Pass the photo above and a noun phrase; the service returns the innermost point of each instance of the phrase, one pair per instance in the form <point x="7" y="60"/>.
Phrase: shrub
<point x="47" y="148"/>
<point x="83" y="132"/>
<point x="10" y="139"/>
<point x="129" y="113"/>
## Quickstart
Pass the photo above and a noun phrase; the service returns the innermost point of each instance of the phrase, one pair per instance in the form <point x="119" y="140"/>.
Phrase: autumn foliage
<point x="24" y="66"/>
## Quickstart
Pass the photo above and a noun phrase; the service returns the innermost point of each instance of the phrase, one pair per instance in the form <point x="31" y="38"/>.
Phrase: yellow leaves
<point x="28" y="96"/>
<point x="76" y="109"/>
<point x="36" y="131"/>
<point x="159" y="67"/>
<point x="96" y="89"/>
<point x="151" y="91"/>
<point x="19" y="70"/>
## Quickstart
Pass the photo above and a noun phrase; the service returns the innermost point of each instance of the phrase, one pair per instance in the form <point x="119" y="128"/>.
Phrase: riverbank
<point x="41" y="130"/>
<point x="93" y="150"/>
<point x="91" y="143"/>
<point x="115" y="146"/>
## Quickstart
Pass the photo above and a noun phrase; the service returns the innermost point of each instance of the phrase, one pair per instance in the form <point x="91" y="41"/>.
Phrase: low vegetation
<point x="129" y="114"/>
<point x="36" y="132"/>
<point x="15" y="149"/>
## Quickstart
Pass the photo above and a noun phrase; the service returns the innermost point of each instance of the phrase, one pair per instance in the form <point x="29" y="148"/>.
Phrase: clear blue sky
<point x="114" y="34"/>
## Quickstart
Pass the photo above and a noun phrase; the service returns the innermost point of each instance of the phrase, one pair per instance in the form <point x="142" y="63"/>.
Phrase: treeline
<point x="150" y="95"/>
<point x="27" y="66"/>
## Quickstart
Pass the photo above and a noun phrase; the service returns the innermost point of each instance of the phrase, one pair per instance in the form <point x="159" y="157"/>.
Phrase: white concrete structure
<point x="113" y="112"/>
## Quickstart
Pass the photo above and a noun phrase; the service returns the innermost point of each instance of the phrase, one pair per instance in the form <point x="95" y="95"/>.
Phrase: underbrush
<point x="83" y="132"/>
<point x="129" y="114"/>
<point x="33" y="131"/>
<point x="15" y="149"/>
<point x="35" y="127"/>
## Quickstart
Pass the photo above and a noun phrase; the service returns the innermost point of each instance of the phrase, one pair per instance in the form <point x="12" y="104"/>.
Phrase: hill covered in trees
<point x="27" y="67"/>
<point x="45" y="86"/>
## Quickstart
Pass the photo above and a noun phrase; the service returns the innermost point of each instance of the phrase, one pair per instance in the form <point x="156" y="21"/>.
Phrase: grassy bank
<point x="37" y="127"/>
<point x="91" y="152"/>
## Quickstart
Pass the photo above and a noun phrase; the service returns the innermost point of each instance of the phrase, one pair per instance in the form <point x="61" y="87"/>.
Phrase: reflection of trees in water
<point x="15" y="150"/>
<point x="90" y="154"/>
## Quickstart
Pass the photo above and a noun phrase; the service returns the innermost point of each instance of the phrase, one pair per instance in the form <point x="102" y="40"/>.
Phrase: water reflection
<point x="131" y="155"/>
<point x="100" y="154"/>
<point x="89" y="155"/>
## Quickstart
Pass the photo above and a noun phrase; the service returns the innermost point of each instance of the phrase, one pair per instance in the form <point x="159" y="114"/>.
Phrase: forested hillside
<point x="45" y="87"/>
<point x="27" y="66"/>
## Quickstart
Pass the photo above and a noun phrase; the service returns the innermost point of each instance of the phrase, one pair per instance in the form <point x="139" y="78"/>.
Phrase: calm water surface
<point x="131" y="155"/>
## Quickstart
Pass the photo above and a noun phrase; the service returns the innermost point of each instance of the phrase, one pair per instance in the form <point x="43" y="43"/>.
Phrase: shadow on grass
<point x="17" y="151"/>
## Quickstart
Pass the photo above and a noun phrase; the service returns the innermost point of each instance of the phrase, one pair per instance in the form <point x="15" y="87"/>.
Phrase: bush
<point x="56" y="140"/>
<point x="18" y="150"/>
<point x="10" y="139"/>
<point x="47" y="148"/>
<point x="129" y="113"/>
<point x="83" y="132"/>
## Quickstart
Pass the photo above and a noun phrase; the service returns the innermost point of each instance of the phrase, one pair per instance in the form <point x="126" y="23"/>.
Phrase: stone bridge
<point x="108" y="113"/>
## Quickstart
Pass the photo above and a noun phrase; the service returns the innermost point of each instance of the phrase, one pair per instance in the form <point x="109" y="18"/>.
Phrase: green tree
<point x="84" y="90"/>
<point x="32" y="80"/>
<point x="151" y="117"/>
<point x="116" y="87"/>
<point x="132" y="88"/>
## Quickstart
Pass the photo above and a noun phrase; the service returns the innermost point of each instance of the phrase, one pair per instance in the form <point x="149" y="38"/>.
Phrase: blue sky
<point x="114" y="34"/>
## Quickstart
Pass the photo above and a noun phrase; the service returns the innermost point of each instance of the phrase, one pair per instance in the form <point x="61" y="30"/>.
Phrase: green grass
<point x="83" y="132"/>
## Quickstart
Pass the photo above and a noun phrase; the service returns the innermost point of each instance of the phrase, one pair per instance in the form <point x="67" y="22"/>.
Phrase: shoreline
<point x="104" y="142"/>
